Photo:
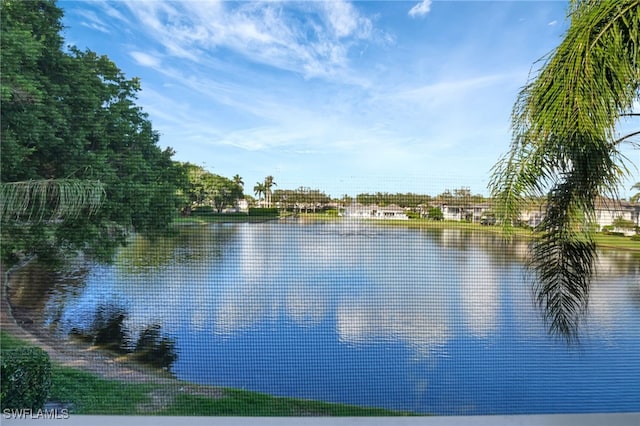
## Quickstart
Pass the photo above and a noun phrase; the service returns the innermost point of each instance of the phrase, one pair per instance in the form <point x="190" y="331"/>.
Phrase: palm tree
<point x="259" y="190"/>
<point x="238" y="181"/>
<point x="565" y="147"/>
<point x="268" y="183"/>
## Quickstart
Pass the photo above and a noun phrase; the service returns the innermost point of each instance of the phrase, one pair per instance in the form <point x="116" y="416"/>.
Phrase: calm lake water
<point x="438" y="321"/>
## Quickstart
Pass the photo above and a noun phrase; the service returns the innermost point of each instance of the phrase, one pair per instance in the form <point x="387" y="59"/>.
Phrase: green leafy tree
<point x="69" y="115"/>
<point x="221" y="192"/>
<point x="205" y="188"/>
<point x="194" y="184"/>
<point x="301" y="198"/>
<point x="400" y="199"/>
<point x="434" y="213"/>
<point x="565" y="148"/>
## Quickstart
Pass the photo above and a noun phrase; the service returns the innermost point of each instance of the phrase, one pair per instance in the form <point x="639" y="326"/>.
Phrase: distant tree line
<point x="302" y="198"/>
<point x="411" y="200"/>
<point x="202" y="188"/>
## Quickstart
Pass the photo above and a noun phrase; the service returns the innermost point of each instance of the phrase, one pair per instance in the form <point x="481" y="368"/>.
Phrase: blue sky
<point x="346" y="97"/>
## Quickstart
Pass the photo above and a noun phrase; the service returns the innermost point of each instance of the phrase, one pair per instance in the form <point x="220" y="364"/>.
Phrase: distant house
<point x="607" y="211"/>
<point x="471" y="213"/>
<point x="243" y="205"/>
<point x="478" y="211"/>
<point x="374" y="212"/>
<point x="391" y="212"/>
<point x="452" y="212"/>
<point x="533" y="214"/>
<point x="356" y="211"/>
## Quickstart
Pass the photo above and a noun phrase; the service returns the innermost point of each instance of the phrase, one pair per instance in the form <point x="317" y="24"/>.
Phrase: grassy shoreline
<point x="602" y="240"/>
<point x="86" y="393"/>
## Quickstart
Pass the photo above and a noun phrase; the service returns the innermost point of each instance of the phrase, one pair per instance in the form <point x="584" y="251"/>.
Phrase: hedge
<point x="264" y="211"/>
<point x="203" y="211"/>
<point x="25" y="376"/>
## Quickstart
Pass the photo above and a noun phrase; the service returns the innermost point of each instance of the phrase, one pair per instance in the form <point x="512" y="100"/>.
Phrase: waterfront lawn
<point x="617" y="241"/>
<point x="203" y="219"/>
<point x="602" y="240"/>
<point x="88" y="394"/>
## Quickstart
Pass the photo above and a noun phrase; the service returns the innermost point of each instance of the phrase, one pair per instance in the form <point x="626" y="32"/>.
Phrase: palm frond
<point x="564" y="144"/>
<point x="563" y="268"/>
<point x="53" y="199"/>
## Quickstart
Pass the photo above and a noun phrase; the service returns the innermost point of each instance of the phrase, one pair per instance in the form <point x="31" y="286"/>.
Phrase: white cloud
<point x="345" y="20"/>
<point x="312" y="39"/>
<point x="420" y="9"/>
<point x="93" y="21"/>
<point x="145" y="59"/>
<point x="113" y="12"/>
<point x="450" y="91"/>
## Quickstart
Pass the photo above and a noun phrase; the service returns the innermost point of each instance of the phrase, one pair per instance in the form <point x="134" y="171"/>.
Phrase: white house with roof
<point x="472" y="212"/>
<point x="607" y="211"/>
<point x="374" y="212"/>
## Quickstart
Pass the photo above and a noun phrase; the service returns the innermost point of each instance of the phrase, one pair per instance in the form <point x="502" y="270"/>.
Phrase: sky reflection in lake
<point x="430" y="321"/>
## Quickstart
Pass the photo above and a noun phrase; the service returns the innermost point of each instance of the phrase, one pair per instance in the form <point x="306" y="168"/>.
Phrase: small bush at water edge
<point x="26" y="378"/>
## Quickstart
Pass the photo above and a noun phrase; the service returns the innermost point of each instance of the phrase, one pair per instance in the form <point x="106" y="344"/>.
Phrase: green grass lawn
<point x="617" y="241"/>
<point x="221" y="218"/>
<point x="244" y="403"/>
<point x="89" y="394"/>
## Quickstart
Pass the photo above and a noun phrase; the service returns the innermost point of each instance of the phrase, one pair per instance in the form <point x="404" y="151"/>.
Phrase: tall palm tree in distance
<point x="259" y="190"/>
<point x="268" y="183"/>
<point x="237" y="179"/>
<point x="565" y="148"/>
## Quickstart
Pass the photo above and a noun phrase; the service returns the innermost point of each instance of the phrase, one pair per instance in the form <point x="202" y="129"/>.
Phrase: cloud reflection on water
<point x="415" y="318"/>
<point x="403" y="285"/>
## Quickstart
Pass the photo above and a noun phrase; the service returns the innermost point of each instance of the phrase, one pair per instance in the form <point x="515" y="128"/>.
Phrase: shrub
<point x="623" y="223"/>
<point x="616" y="234"/>
<point x="412" y="215"/>
<point x="202" y="211"/>
<point x="435" y="213"/>
<point x="154" y="349"/>
<point x="263" y="211"/>
<point x="108" y="327"/>
<point x="635" y="237"/>
<point x="26" y="378"/>
<point x="331" y="212"/>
